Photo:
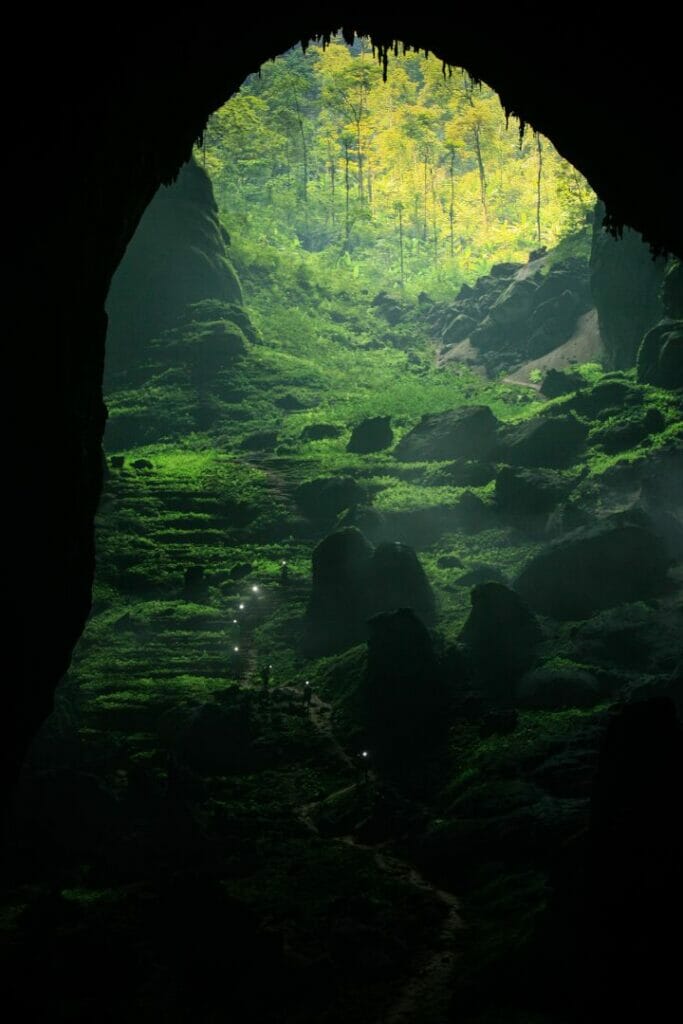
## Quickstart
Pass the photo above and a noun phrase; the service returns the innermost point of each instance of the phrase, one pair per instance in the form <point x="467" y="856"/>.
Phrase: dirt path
<point x="425" y="995"/>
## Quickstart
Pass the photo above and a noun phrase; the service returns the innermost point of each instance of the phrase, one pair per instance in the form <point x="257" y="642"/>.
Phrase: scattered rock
<point x="142" y="464"/>
<point x="620" y="436"/>
<point x="320" y="431"/>
<point x="467" y="432"/>
<point x="551" y="441"/>
<point x="290" y="403"/>
<point x="260" y="441"/>
<point x="465" y="473"/>
<point x="117" y="461"/>
<point x="460" y="327"/>
<point x="594" y="568"/>
<point x="561" y="382"/>
<point x="547" y="689"/>
<point x="371" y="435"/>
<point x="529" y="493"/>
<point x="195" y="584"/>
<point x="472" y="513"/>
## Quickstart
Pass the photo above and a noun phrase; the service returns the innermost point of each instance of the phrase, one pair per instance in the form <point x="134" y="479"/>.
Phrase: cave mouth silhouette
<point x="98" y="233"/>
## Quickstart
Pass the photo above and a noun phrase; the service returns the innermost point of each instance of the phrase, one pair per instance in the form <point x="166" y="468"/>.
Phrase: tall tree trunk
<point x="482" y="171"/>
<point x="451" y="208"/>
<point x="400" y="242"/>
<point x="332" y="184"/>
<point x="347" y="182"/>
<point x="304" y="145"/>
<point x="539" y="182"/>
<point x="425" y="229"/>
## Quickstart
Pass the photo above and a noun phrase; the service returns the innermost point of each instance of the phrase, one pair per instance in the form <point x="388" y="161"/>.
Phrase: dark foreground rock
<point x="325" y="497"/>
<point x="595" y="568"/>
<point x="551" y="441"/>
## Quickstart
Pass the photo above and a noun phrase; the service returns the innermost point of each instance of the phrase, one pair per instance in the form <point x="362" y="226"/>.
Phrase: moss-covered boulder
<point x="467" y="432"/>
<point x="551" y="441"/>
<point x="529" y="493"/>
<point x="595" y="568"/>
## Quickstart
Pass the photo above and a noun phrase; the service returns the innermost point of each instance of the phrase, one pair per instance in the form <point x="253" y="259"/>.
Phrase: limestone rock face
<point x="625" y="282"/>
<point x="178" y="256"/>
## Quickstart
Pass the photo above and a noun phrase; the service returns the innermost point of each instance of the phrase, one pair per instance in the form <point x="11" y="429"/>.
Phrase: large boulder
<point x="595" y="568"/>
<point x="467" y="432"/>
<point x="501" y="633"/>
<point x="371" y="435"/>
<point x="403" y="694"/>
<point x="551" y="441"/>
<point x="560" y="382"/>
<point x="338" y="605"/>
<point x="629" y="432"/>
<point x="459" y="328"/>
<point x="353" y="581"/>
<point x="515" y="304"/>
<point x="529" y="493"/>
<point x="397" y="580"/>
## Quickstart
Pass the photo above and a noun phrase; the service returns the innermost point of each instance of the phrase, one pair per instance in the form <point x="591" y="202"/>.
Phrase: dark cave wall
<point x="102" y="125"/>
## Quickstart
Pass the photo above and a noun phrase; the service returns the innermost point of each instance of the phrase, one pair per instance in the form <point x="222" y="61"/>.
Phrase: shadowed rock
<point x="594" y="568"/>
<point x="550" y="688"/>
<point x="501" y="633"/>
<point x="371" y="435"/>
<point x="552" y="441"/>
<point x="468" y="432"/>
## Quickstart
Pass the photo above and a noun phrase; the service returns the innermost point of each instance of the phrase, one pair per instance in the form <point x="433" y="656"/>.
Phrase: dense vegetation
<point x="417" y="181"/>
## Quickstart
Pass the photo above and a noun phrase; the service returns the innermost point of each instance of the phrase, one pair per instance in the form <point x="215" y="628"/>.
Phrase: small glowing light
<point x="270" y="666"/>
<point x="235" y="649"/>
<point x="255" y="589"/>
<point x="284" y="562"/>
<point x="364" y="754"/>
<point x="307" y="683"/>
<point x="241" y="607"/>
<point x="234" y="622"/>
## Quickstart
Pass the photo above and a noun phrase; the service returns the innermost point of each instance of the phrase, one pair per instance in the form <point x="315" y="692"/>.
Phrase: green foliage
<point x="415" y="183"/>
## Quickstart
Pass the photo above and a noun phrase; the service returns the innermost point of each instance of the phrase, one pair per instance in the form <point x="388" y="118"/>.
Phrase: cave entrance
<point x="326" y="346"/>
